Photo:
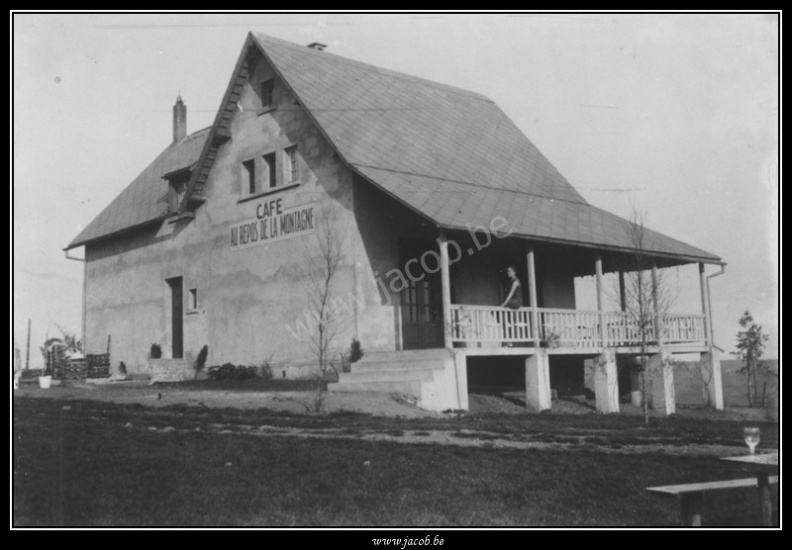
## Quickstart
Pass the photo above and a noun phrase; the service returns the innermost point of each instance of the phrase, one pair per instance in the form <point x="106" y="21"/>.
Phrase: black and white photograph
<point x="403" y="275"/>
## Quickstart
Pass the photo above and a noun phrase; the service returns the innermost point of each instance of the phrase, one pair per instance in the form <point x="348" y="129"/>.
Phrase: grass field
<point x="86" y="463"/>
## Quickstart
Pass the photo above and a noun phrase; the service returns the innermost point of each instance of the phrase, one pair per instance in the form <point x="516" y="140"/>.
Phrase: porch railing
<point x="490" y="324"/>
<point x="568" y="327"/>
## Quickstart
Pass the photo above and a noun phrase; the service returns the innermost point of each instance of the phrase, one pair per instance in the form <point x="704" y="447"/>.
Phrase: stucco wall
<point x="479" y="278"/>
<point x="250" y="299"/>
<point x="557" y="281"/>
<point x="382" y="223"/>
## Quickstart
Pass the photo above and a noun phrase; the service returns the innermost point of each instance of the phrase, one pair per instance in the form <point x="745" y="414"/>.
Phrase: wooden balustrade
<point x="568" y="328"/>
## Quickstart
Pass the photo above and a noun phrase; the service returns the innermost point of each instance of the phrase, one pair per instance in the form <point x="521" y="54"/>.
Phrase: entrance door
<point x="421" y="302"/>
<point x="177" y="317"/>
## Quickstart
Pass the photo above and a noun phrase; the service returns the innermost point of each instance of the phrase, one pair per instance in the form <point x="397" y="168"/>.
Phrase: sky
<point x="676" y="116"/>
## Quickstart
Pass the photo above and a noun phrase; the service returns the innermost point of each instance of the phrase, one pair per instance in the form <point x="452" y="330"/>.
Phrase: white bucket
<point x="45" y="382"/>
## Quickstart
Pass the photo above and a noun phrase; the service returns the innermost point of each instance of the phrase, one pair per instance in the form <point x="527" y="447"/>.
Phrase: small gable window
<point x="267" y="93"/>
<point x="292" y="165"/>
<point x="249" y="173"/>
<point x="179" y="189"/>
<point x="269" y="173"/>
<point x="269" y="169"/>
<point x="176" y="190"/>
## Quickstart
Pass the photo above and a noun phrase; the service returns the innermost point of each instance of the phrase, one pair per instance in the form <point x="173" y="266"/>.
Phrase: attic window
<point x="250" y="173"/>
<point x="292" y="165"/>
<point x="272" y="172"/>
<point x="267" y="93"/>
<point x="176" y="195"/>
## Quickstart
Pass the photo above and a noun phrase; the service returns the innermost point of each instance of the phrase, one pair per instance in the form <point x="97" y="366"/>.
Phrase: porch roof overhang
<point x="528" y="216"/>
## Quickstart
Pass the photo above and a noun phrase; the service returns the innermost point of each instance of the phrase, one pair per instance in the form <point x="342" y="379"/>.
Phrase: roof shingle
<point x="144" y="200"/>
<point x="410" y="135"/>
<point x="458" y="206"/>
<point x="448" y="153"/>
<point x="403" y="123"/>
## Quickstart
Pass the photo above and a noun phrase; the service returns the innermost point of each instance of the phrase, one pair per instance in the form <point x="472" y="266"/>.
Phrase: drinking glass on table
<point x="751" y="438"/>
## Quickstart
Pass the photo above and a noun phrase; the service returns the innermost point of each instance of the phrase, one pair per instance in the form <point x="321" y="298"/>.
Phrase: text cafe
<point x="272" y="223"/>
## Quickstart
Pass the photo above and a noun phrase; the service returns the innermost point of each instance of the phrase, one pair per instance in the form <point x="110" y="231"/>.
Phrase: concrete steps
<point x="401" y="360"/>
<point x="404" y="356"/>
<point x="410" y="372"/>
<point x="385" y="375"/>
<point x="407" y="387"/>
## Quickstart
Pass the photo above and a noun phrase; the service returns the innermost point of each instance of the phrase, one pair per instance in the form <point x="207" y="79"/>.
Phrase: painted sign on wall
<point x="272" y="223"/>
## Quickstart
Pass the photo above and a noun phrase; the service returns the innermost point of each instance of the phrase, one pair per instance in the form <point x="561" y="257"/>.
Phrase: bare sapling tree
<point x="646" y="298"/>
<point x="750" y="347"/>
<point x="323" y="261"/>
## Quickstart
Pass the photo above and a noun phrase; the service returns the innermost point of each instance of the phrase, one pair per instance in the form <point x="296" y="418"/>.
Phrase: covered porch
<point x="549" y="318"/>
<point x="443" y="281"/>
<point x="570" y="331"/>
<point x="598" y="336"/>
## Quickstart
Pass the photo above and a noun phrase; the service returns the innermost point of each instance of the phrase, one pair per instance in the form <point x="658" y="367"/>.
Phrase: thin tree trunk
<point x="751" y="384"/>
<point x="643" y="391"/>
<point x="27" y="348"/>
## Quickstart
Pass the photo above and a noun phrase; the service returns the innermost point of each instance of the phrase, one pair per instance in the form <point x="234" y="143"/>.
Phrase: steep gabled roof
<point x="392" y="121"/>
<point x="145" y="199"/>
<point x="449" y="154"/>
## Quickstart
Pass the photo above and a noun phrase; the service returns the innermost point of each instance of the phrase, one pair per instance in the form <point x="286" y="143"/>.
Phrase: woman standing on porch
<point x="514" y="299"/>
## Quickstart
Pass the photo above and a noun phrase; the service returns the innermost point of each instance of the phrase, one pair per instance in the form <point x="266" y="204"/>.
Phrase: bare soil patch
<point x="294" y="397"/>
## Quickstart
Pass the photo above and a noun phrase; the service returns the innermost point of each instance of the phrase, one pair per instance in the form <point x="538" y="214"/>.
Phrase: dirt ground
<point x="378" y="404"/>
<point x="373" y="403"/>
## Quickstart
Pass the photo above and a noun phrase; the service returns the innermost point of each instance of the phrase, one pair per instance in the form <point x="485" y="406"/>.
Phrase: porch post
<point x="661" y="377"/>
<point x="622" y="292"/>
<point x="600" y="305"/>
<point x="445" y="279"/>
<point x="537" y="381"/>
<point x="711" y="375"/>
<point x="532" y="293"/>
<point x="606" y="383"/>
<point x="704" y="302"/>
<point x="710" y="362"/>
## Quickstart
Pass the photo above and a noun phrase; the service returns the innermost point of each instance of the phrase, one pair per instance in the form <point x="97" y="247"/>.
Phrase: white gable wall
<point x="248" y="297"/>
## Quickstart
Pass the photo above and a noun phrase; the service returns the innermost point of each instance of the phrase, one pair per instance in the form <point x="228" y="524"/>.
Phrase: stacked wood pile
<point x="98" y="365"/>
<point x="55" y="356"/>
<point x="72" y="370"/>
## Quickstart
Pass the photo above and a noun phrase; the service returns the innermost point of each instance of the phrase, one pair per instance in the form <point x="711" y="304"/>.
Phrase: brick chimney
<point x="179" y="120"/>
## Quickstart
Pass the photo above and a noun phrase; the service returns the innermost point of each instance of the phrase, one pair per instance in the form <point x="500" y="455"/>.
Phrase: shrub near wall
<point x="229" y="371"/>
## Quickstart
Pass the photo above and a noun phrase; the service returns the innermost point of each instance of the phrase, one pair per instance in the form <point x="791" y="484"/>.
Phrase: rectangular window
<point x="193" y="298"/>
<point x="181" y="188"/>
<point x="269" y="162"/>
<point x="267" y="93"/>
<point x="291" y="165"/>
<point x="178" y="189"/>
<point x="250" y="171"/>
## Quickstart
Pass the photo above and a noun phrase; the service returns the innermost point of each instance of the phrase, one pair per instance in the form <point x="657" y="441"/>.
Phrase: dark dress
<point x="516" y="301"/>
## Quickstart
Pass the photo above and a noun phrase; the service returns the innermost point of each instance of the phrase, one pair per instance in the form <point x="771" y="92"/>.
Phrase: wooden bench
<point x="691" y="495"/>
